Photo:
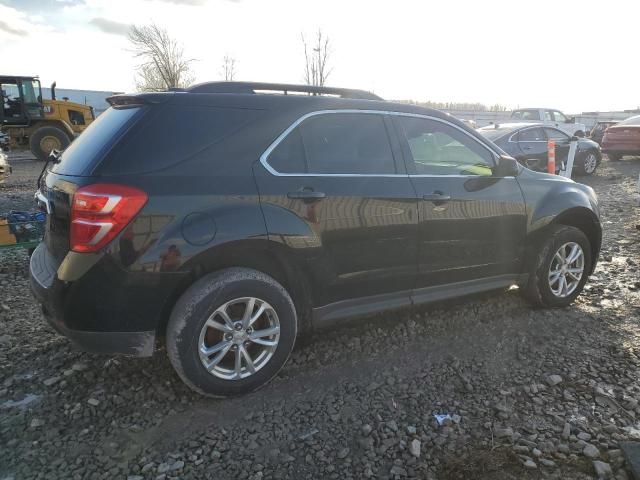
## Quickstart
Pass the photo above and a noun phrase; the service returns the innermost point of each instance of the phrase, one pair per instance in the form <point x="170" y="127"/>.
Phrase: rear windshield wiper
<point x="54" y="157"/>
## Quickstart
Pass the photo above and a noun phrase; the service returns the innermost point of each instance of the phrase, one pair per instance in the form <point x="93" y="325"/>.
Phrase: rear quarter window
<point x="89" y="147"/>
<point x="171" y="133"/>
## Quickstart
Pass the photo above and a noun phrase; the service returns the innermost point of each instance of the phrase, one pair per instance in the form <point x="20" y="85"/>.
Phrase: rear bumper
<point x="56" y="298"/>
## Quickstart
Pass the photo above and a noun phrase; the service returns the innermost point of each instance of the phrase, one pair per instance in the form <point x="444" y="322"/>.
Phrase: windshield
<point x="631" y="121"/>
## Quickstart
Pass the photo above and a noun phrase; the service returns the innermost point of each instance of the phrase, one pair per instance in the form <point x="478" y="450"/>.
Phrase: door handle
<point x="526" y="147"/>
<point x="437" y="197"/>
<point x="306" y="195"/>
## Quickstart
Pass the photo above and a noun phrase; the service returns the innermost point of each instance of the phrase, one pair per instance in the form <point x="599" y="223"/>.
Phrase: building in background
<point x="95" y="98"/>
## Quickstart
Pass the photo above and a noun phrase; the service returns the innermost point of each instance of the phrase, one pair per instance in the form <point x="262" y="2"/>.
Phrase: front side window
<point x="336" y="143"/>
<point x="532" y="135"/>
<point x="560" y="117"/>
<point x="440" y="149"/>
<point x="554" y="134"/>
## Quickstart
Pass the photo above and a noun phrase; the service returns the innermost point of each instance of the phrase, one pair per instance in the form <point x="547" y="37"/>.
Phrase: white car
<point x="5" y="168"/>
<point x="550" y="117"/>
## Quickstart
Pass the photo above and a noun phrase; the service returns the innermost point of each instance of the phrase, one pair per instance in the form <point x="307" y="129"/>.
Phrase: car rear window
<point x="494" y="133"/>
<point x="171" y="133"/>
<point x="94" y="141"/>
<point x="631" y="121"/>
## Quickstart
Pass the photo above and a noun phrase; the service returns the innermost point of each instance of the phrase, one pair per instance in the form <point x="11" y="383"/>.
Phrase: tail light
<point x="100" y="212"/>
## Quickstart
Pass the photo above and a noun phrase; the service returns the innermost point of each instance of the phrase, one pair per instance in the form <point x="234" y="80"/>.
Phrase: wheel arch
<point x="266" y="256"/>
<point x="582" y="218"/>
<point x="59" y="124"/>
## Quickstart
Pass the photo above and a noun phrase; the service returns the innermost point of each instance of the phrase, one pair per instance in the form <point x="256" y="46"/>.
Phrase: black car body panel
<point x="344" y="243"/>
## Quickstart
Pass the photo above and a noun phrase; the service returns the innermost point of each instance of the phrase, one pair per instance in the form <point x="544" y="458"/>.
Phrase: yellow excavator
<point x="44" y="124"/>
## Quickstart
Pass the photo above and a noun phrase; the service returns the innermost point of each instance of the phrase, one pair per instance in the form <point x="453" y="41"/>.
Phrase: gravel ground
<point x="528" y="393"/>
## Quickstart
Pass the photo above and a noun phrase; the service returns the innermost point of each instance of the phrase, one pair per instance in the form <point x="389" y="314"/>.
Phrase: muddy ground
<point x="529" y="393"/>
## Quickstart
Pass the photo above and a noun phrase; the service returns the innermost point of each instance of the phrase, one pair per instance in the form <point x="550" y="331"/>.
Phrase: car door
<point x="334" y="188"/>
<point x="532" y="147"/>
<point x="472" y="223"/>
<point x="562" y="141"/>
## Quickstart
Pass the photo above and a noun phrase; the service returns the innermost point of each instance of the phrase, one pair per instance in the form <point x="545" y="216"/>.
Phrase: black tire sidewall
<point x="559" y="237"/>
<point x="201" y="301"/>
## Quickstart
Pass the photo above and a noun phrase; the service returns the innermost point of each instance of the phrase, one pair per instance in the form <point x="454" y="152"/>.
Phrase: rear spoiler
<point x="137" y="99"/>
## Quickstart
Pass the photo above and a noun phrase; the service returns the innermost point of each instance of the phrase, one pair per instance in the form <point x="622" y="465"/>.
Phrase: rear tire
<point x="44" y="139"/>
<point x="541" y="289"/>
<point x="586" y="163"/>
<point x="206" y="334"/>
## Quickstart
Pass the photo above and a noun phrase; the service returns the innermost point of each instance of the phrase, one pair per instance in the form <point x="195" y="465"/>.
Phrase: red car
<point x="622" y="139"/>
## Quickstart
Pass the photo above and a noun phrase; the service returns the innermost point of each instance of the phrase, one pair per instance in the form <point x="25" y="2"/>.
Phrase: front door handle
<point x="306" y="195"/>
<point x="437" y="197"/>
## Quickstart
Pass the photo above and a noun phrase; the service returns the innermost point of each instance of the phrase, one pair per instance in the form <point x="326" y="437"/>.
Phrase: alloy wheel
<point x="239" y="338"/>
<point x="566" y="269"/>
<point x="590" y="163"/>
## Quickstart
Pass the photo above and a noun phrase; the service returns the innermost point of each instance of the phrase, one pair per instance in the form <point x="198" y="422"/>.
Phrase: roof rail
<point x="259" y="87"/>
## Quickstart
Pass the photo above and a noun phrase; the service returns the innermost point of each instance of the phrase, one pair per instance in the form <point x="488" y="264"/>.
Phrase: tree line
<point x="164" y="64"/>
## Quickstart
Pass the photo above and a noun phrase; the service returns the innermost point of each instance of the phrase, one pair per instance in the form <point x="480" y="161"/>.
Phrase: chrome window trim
<point x="265" y="155"/>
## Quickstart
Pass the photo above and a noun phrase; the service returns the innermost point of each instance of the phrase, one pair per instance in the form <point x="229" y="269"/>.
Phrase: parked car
<point x="527" y="143"/>
<point x="551" y="118"/>
<point x="5" y="168"/>
<point x="4" y="142"/>
<point x="597" y="132"/>
<point x="224" y="222"/>
<point x="622" y="139"/>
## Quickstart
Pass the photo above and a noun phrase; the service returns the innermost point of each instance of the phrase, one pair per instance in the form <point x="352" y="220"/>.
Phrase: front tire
<point x="45" y="139"/>
<point x="231" y="332"/>
<point x="560" y="269"/>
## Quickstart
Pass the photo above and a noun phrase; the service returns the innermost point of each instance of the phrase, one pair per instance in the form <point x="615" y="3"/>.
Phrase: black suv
<point x="226" y="220"/>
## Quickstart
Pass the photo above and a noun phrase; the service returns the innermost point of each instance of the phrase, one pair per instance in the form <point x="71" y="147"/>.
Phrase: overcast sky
<point x="573" y="55"/>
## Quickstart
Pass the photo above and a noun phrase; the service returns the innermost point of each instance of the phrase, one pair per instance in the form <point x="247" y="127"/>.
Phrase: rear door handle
<point x="306" y="195"/>
<point x="437" y="197"/>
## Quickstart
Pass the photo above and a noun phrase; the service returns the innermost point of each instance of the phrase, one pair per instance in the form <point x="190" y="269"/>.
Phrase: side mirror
<point x="507" y="167"/>
<point x="571" y="120"/>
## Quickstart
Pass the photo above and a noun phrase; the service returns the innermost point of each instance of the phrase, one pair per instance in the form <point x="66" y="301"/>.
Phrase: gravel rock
<point x="414" y="447"/>
<point x="365" y="391"/>
<point x="554" y="380"/>
<point x="603" y="470"/>
<point x="590" y="451"/>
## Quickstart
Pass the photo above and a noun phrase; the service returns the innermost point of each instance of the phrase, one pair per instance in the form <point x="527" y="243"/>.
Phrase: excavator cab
<point x="21" y="101"/>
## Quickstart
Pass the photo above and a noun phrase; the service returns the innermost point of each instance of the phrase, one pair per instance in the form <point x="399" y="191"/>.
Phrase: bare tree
<point x="316" y="58"/>
<point x="228" y="68"/>
<point x="163" y="61"/>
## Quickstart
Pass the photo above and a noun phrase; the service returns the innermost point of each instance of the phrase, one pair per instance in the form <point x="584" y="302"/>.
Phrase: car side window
<point x="532" y="135"/>
<point x="347" y="143"/>
<point x="554" y="134"/>
<point x="336" y="143"/>
<point x="440" y="149"/>
<point x="559" y="117"/>
<point x="289" y="156"/>
<point x="532" y="115"/>
<point x="547" y="116"/>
